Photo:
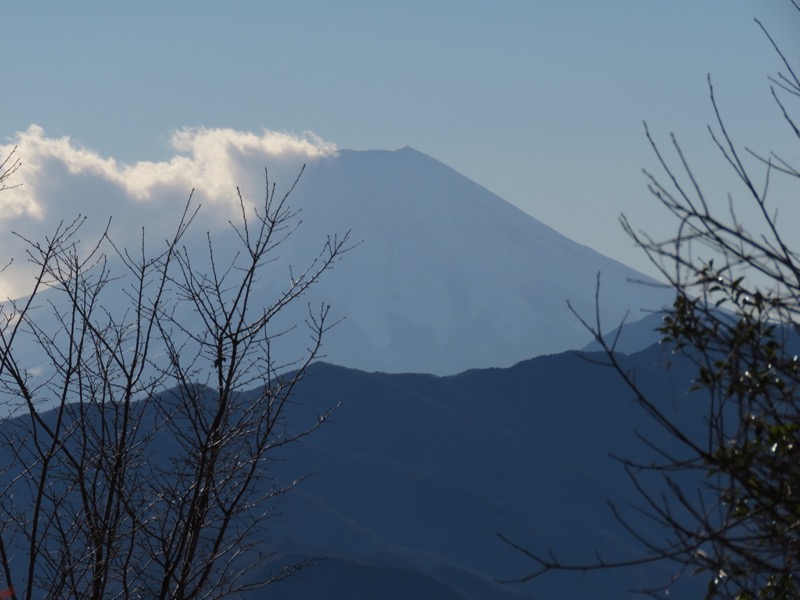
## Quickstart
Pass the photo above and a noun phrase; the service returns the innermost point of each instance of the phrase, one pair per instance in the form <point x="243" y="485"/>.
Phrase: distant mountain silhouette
<point x="421" y="472"/>
<point x="631" y="336"/>
<point x="416" y="474"/>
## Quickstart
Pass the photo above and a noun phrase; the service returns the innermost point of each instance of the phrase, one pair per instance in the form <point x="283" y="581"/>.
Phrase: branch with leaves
<point x="724" y="501"/>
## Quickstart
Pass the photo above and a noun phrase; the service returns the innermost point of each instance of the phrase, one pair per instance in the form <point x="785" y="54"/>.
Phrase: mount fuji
<point x="448" y="276"/>
<point x="445" y="276"/>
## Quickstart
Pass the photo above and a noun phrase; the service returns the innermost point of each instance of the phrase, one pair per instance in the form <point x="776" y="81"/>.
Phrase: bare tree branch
<point x="140" y="466"/>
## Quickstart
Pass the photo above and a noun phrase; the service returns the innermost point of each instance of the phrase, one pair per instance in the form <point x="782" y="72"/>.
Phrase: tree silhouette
<point x="132" y="463"/>
<point x="726" y="501"/>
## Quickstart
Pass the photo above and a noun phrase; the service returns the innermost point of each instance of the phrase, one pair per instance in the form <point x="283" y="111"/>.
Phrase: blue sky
<point x="540" y="101"/>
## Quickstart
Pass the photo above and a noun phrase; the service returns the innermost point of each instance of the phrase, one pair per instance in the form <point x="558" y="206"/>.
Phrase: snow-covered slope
<point x="449" y="276"/>
<point x="446" y="276"/>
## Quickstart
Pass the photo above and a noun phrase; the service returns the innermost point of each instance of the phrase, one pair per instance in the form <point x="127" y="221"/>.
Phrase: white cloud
<point x="60" y="180"/>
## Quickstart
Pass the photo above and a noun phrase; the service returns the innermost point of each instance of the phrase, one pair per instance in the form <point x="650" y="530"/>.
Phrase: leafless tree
<point x="136" y="447"/>
<point x="8" y="167"/>
<point x="726" y="500"/>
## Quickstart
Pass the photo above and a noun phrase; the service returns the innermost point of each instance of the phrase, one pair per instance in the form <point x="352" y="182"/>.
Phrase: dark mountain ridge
<point x="414" y="476"/>
<point x="432" y="468"/>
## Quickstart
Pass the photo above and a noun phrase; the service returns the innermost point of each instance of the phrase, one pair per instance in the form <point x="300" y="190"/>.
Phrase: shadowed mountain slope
<point x="403" y="492"/>
<point x="423" y="472"/>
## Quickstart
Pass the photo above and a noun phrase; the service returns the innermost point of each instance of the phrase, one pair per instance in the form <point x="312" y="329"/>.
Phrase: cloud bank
<point x="61" y="180"/>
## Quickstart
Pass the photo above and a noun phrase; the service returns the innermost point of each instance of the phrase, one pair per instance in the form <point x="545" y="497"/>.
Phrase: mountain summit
<point x="448" y="276"/>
